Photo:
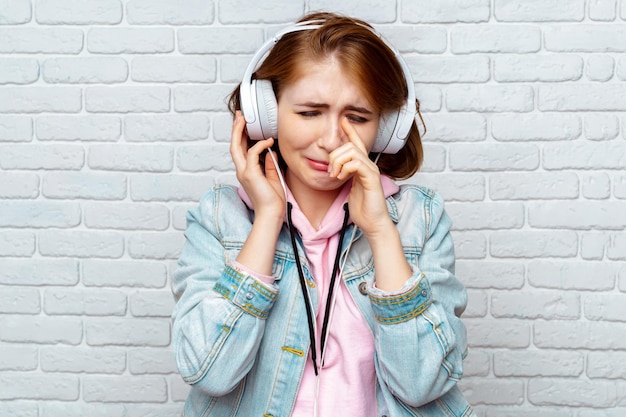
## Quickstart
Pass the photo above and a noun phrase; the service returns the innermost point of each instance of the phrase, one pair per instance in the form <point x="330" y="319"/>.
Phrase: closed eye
<point x="356" y="119"/>
<point x="309" y="114"/>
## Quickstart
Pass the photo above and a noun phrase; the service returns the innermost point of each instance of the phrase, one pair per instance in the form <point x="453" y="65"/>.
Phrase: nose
<point x="332" y="135"/>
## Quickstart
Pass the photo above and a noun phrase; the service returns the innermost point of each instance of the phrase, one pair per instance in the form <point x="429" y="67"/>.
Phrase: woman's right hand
<point x="263" y="189"/>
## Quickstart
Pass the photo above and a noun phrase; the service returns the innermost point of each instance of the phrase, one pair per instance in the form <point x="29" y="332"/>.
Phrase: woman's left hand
<point x="368" y="210"/>
<point x="366" y="200"/>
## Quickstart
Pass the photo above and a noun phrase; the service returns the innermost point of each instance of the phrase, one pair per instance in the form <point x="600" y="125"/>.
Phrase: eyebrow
<point x="325" y="106"/>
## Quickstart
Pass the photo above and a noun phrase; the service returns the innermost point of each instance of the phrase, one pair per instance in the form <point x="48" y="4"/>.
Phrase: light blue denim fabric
<point x="242" y="344"/>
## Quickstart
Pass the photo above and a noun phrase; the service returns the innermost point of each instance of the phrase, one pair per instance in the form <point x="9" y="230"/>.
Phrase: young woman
<point x="319" y="287"/>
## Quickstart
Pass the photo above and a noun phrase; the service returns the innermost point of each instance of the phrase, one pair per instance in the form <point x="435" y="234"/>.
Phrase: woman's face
<point x="310" y="111"/>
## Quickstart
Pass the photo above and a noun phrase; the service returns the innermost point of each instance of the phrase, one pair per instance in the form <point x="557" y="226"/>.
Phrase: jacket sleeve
<point x="420" y="339"/>
<point x="219" y="309"/>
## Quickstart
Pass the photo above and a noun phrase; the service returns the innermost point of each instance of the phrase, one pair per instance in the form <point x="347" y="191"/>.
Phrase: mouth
<point x="318" y="165"/>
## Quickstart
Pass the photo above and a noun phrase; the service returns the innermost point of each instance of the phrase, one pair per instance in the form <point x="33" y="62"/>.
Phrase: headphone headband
<point x="259" y="107"/>
<point x="250" y="114"/>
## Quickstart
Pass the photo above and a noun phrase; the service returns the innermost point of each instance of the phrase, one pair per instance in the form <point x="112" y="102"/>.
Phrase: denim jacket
<point x="242" y="344"/>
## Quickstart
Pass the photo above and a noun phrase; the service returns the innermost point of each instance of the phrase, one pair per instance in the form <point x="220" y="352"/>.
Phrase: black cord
<point x="305" y="293"/>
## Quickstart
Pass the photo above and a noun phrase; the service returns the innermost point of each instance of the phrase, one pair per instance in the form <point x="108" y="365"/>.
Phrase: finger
<point x="258" y="148"/>
<point x="252" y="168"/>
<point x="352" y="150"/>
<point x="272" y="174"/>
<point x="345" y="154"/>
<point x="363" y="169"/>
<point x="238" y="140"/>
<point x="347" y="169"/>
<point x="352" y="134"/>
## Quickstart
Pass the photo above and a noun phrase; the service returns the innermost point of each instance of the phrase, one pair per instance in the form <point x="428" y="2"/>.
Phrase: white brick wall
<point x="113" y="123"/>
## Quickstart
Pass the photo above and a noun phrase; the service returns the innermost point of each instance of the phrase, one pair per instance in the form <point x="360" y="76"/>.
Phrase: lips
<point x="318" y="165"/>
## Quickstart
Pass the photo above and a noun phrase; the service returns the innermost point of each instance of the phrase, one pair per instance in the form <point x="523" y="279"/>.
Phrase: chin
<point x="328" y="185"/>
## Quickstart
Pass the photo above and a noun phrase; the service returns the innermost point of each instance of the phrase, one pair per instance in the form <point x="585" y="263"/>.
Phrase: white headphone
<point x="260" y="108"/>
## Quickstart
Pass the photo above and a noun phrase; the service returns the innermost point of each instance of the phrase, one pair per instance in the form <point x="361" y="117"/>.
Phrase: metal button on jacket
<point x="363" y="288"/>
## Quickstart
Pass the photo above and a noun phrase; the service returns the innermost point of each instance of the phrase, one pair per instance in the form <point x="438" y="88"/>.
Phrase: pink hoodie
<point x="347" y="381"/>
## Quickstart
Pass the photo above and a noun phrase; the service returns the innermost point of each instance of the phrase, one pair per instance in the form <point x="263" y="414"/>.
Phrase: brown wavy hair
<point x="361" y="53"/>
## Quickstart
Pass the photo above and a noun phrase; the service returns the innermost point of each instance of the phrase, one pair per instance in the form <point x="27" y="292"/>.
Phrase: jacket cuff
<point x="398" y="307"/>
<point x="246" y="292"/>
<point x="267" y="279"/>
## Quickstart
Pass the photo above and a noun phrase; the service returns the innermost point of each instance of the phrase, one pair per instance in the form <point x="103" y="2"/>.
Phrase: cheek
<point x="288" y="124"/>
<point x="368" y="135"/>
<point x="295" y="132"/>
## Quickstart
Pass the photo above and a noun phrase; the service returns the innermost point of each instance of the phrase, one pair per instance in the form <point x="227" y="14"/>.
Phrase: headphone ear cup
<point x="386" y="129"/>
<point x="268" y="108"/>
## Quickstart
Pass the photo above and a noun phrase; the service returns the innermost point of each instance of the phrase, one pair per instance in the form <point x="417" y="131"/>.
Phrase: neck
<point x="315" y="204"/>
